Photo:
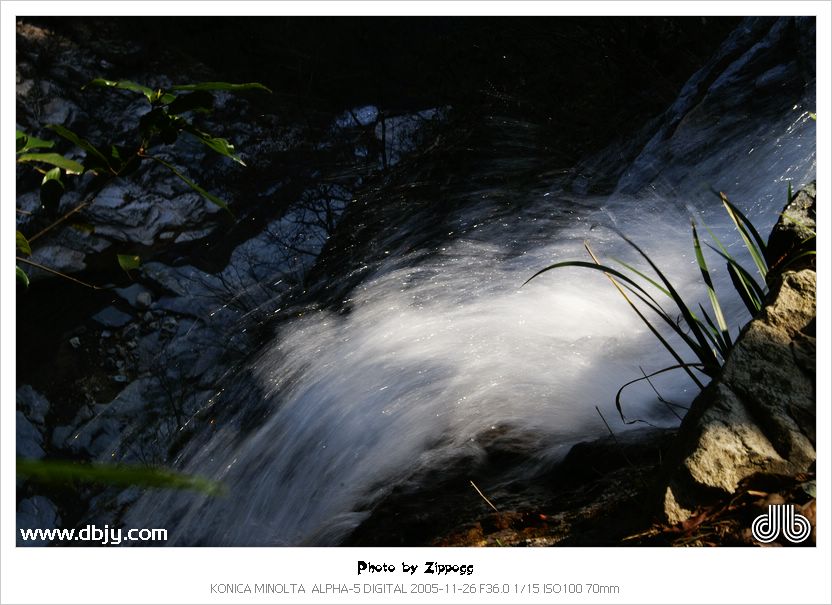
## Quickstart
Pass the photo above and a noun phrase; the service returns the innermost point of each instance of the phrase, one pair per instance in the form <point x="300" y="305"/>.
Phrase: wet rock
<point x="112" y="317"/>
<point x="60" y="436"/>
<point x="34" y="405"/>
<point x="130" y="212"/>
<point x="37" y="512"/>
<point x="57" y="258"/>
<point x="136" y="296"/>
<point x="758" y="416"/>
<point x="114" y="423"/>
<point x="400" y="135"/>
<point x="795" y="226"/>
<point x="28" y="439"/>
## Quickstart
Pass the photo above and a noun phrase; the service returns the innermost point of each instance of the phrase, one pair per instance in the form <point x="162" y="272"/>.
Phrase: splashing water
<point x="438" y="348"/>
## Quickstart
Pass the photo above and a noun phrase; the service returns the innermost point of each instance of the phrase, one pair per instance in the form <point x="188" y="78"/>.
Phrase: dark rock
<point x="28" y="439"/>
<point x="795" y="226"/>
<point x="34" y="405"/>
<point x="136" y="296"/>
<point x="112" y="317"/>
<point x="36" y="513"/>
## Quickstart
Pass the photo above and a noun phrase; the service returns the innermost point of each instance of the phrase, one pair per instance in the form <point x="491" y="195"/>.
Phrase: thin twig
<point x="487" y="501"/>
<point x="614" y="438"/>
<point x="77" y="208"/>
<point x="58" y="273"/>
<point x="668" y="404"/>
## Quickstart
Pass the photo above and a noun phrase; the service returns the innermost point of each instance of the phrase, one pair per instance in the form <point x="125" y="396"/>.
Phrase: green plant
<point x="706" y="335"/>
<point x="62" y="471"/>
<point x="162" y="125"/>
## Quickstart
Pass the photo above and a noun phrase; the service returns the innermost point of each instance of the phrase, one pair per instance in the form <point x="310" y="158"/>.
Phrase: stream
<point x="434" y="341"/>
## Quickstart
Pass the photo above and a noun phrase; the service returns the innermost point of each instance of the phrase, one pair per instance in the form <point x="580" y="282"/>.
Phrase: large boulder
<point x="758" y="416"/>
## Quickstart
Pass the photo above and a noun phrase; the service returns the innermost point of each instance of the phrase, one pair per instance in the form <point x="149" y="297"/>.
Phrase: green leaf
<point x="220" y="145"/>
<point x="22" y="277"/>
<point x="647" y="278"/>
<point x="61" y="471"/>
<point x="149" y="93"/>
<point x="209" y="196"/>
<point x="706" y="276"/>
<point x="745" y="284"/>
<point x="53" y="159"/>
<point x="220" y="86"/>
<point x="162" y="97"/>
<point x="129" y="262"/>
<point x="709" y="361"/>
<point x="757" y="247"/>
<point x="25" y="142"/>
<point x="99" y="160"/>
<point x="23" y="244"/>
<point x="51" y="189"/>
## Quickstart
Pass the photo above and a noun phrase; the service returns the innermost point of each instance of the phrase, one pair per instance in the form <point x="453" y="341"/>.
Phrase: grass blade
<point x="706" y="276"/>
<point x="708" y="358"/>
<point x="647" y="377"/>
<point x="749" y="284"/>
<point x="62" y="471"/>
<point x="645" y="277"/>
<point x="747" y="232"/>
<point x="220" y="86"/>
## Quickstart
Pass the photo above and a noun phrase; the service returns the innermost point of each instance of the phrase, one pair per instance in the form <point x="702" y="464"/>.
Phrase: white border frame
<point x="184" y="575"/>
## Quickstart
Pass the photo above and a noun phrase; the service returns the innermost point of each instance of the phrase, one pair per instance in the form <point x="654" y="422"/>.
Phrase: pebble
<point x="169" y="325"/>
<point x="143" y="299"/>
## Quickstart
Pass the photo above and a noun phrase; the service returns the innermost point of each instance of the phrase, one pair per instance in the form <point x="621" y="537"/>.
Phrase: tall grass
<point x="706" y="334"/>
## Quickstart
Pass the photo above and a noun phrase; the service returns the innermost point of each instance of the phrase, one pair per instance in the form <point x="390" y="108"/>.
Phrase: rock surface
<point x="36" y="513"/>
<point x="758" y="416"/>
<point x="795" y="226"/>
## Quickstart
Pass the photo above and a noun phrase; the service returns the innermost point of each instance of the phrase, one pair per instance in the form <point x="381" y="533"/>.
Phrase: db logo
<point x="781" y="518"/>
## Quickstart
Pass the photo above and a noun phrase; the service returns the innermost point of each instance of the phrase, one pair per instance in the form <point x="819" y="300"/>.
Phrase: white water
<point x="436" y="352"/>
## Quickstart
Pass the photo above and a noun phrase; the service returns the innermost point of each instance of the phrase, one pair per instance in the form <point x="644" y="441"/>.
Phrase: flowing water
<point x="443" y="343"/>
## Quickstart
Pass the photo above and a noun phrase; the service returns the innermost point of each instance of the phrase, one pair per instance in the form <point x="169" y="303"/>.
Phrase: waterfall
<point x="442" y="343"/>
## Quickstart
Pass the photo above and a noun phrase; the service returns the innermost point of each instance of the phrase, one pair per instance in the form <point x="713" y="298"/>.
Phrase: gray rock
<point x="136" y="296"/>
<point x="34" y="405"/>
<point x="58" y="258"/>
<point x="28" y="439"/>
<point x="60" y="436"/>
<point x="75" y="342"/>
<point x="36" y="513"/>
<point x="759" y="414"/>
<point x="144" y="299"/>
<point x="112" y="317"/>
<point x="112" y="424"/>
